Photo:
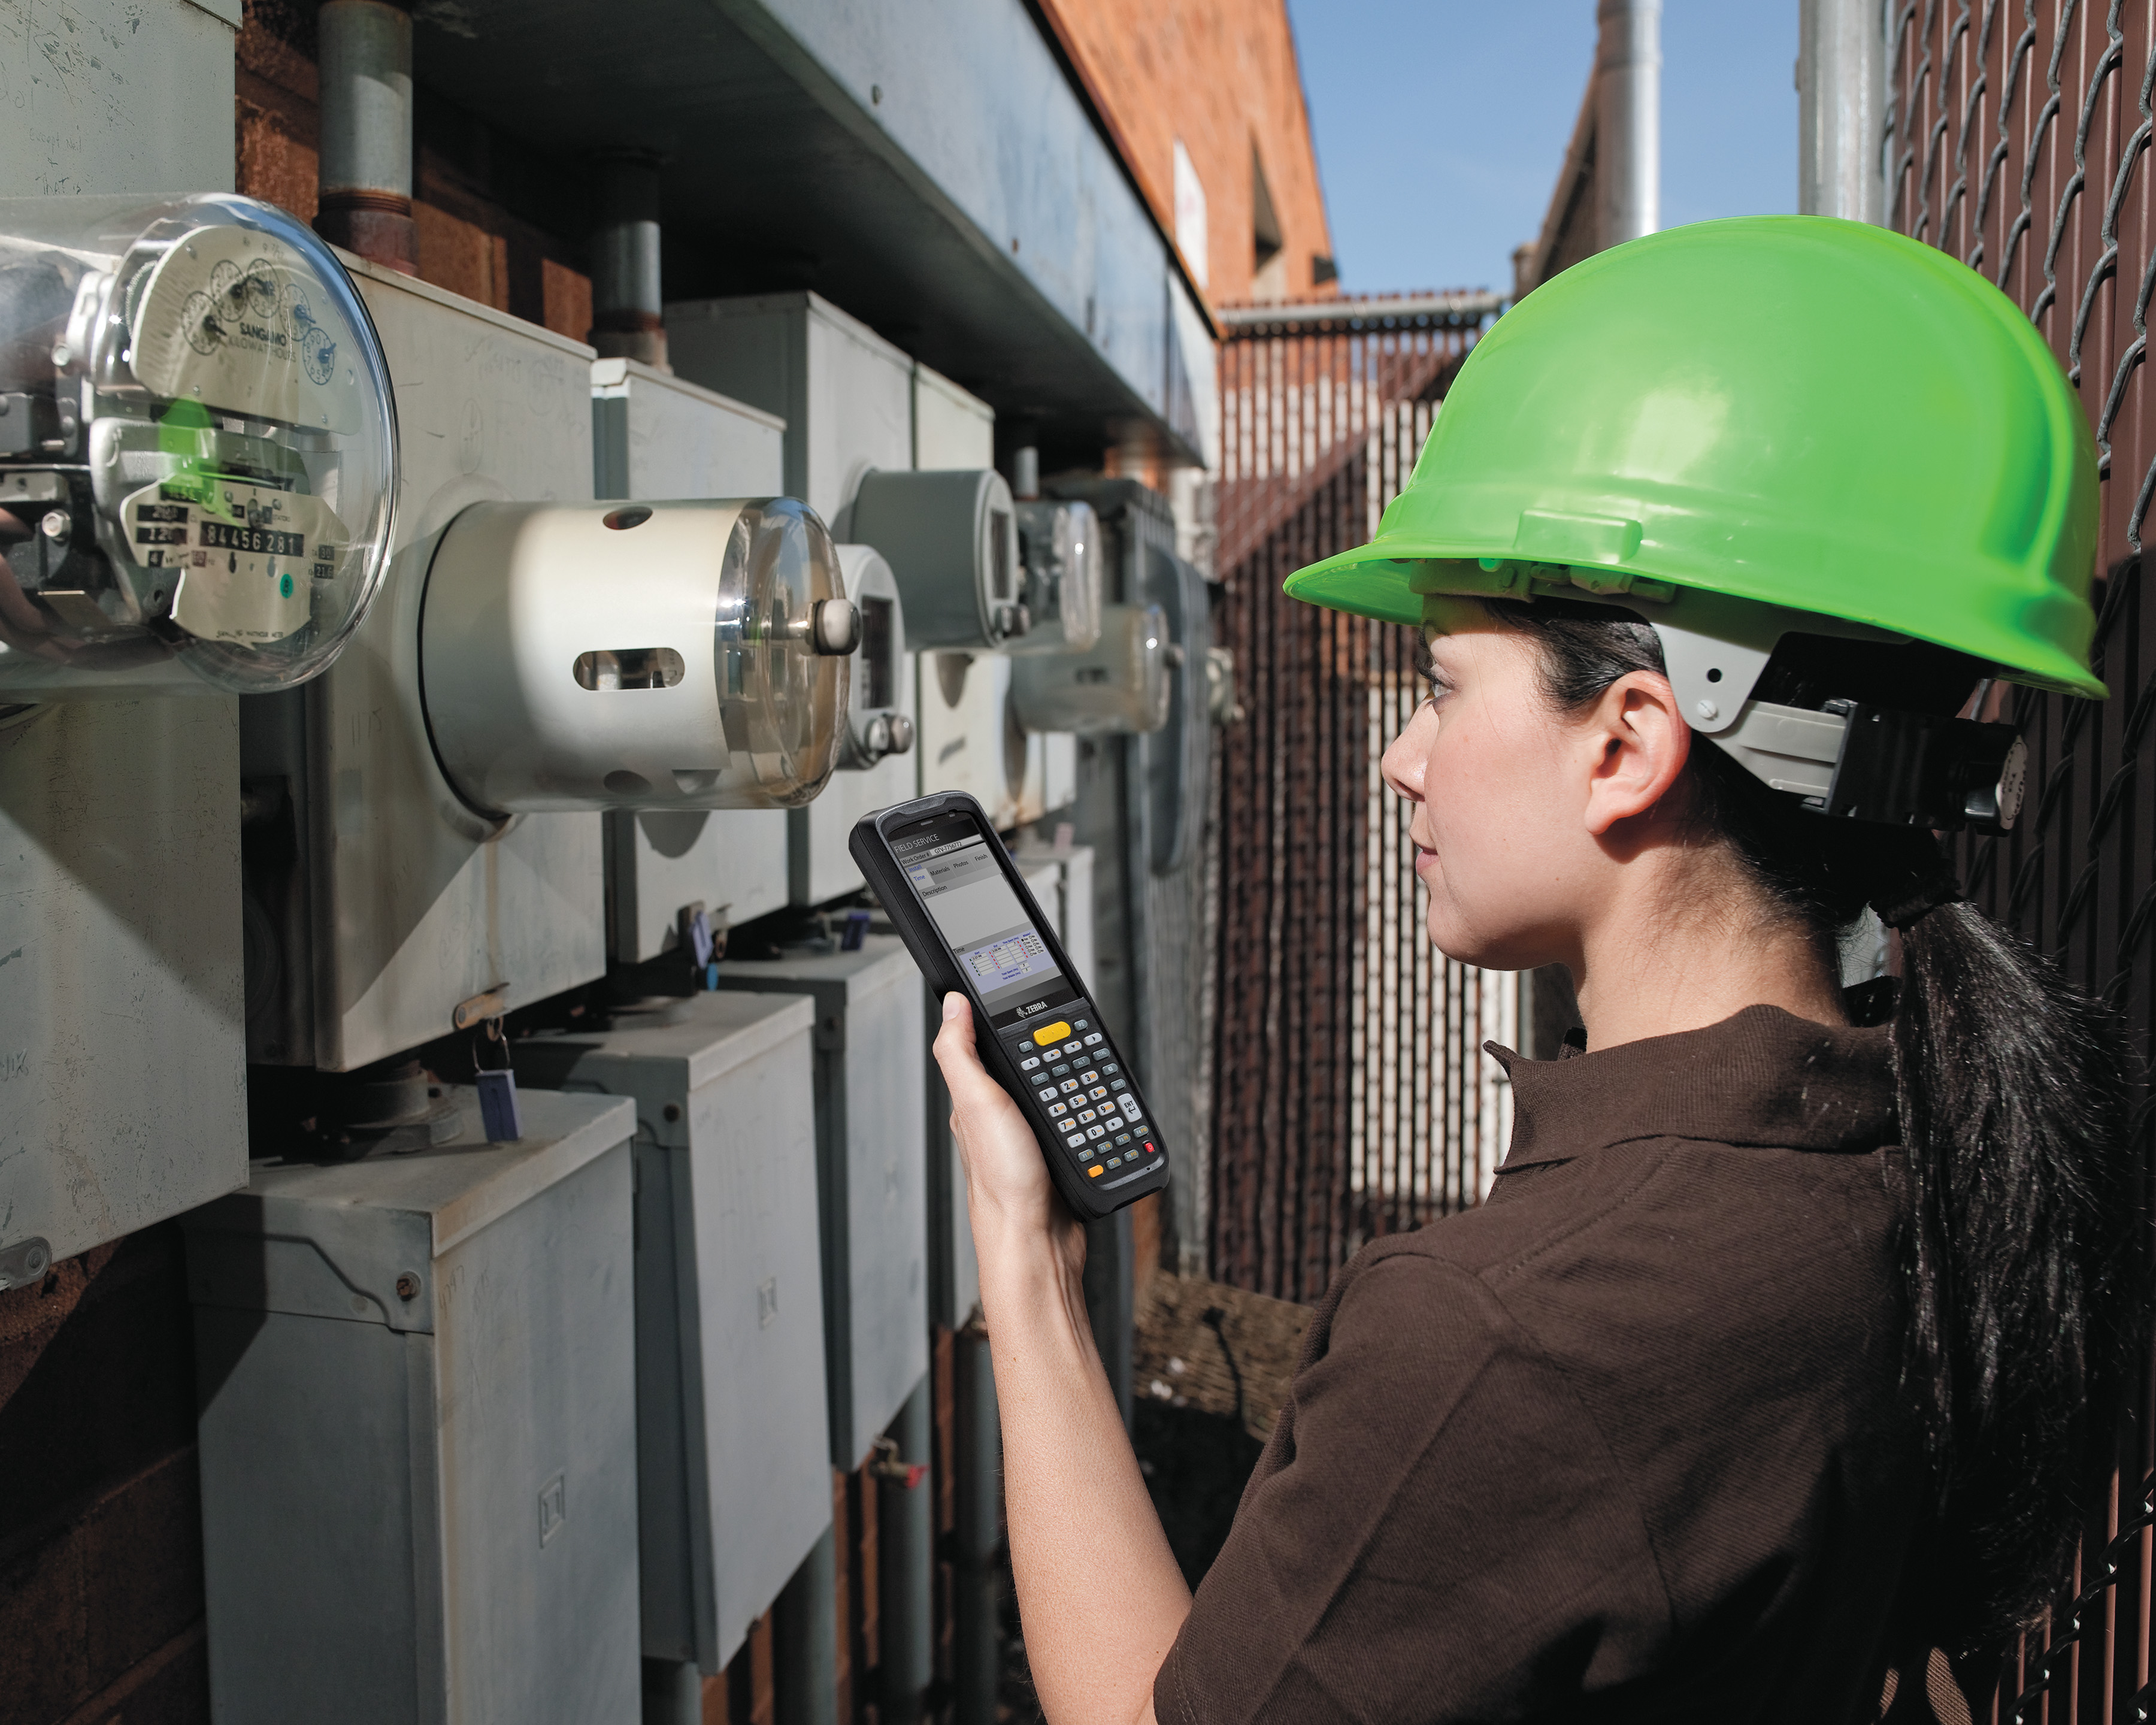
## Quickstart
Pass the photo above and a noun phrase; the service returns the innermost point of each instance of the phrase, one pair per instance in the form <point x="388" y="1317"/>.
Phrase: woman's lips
<point x="1423" y="860"/>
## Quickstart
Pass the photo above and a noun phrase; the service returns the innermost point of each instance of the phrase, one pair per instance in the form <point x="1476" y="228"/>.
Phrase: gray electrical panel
<point x="417" y="1383"/>
<point x="732" y="1420"/>
<point x="383" y="902"/>
<point x="112" y="812"/>
<point x="872" y="1168"/>
<point x="119" y="919"/>
<point x="844" y="393"/>
<point x="846" y="398"/>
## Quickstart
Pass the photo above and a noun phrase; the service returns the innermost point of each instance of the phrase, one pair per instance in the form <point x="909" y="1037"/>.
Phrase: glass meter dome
<point x="1065" y="573"/>
<point x="197" y="448"/>
<point x="643" y="656"/>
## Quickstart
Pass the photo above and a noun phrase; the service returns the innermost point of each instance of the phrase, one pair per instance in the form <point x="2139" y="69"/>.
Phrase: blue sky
<point x="1440" y="125"/>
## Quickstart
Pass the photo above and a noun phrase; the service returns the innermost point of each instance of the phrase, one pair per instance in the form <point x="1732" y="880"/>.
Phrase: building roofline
<point x="1049" y="22"/>
<point x="1456" y="310"/>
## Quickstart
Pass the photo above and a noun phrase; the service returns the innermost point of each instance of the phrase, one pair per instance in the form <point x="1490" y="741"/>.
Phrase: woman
<point x="1768" y="1365"/>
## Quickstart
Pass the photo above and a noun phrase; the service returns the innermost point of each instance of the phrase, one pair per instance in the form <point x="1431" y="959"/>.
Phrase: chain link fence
<point x="2017" y="139"/>
<point x="1350" y="1095"/>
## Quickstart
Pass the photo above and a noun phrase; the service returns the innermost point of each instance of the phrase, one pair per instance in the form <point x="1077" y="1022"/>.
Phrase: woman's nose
<point x="1406" y="758"/>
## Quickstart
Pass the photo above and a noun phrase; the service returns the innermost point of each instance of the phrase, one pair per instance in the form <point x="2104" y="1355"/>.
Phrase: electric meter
<point x="1065" y="568"/>
<point x="644" y="655"/>
<point x="876" y="725"/>
<point x="1118" y="686"/>
<point x="197" y="448"/>
<point x="951" y="539"/>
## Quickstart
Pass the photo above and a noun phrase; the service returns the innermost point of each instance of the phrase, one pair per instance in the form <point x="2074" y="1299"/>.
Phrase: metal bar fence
<point x="2017" y="139"/>
<point x="1351" y="1097"/>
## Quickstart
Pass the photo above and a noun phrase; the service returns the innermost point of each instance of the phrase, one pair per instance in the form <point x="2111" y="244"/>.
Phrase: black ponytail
<point x="2024" y="1254"/>
<point x="2029" y="1304"/>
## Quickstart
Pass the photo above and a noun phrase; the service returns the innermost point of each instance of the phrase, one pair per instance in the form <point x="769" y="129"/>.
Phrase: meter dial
<point x="197" y="446"/>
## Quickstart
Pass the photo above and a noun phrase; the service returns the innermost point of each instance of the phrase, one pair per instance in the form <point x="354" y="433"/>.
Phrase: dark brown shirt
<point x="1628" y="1442"/>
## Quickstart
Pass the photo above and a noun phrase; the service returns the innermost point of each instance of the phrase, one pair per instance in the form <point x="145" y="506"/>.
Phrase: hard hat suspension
<point x="1860" y="760"/>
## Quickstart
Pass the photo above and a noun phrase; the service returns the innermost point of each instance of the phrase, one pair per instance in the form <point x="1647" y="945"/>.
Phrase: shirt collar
<point x="1763" y="1078"/>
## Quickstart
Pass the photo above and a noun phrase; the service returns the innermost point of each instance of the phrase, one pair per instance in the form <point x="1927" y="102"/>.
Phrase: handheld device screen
<point x="963" y="886"/>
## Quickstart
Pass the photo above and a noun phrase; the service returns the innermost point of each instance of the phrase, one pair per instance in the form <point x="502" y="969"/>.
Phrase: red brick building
<point x="1204" y="100"/>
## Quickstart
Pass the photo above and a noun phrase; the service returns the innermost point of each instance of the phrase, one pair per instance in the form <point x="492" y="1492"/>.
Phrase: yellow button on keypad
<point x="1051" y="1033"/>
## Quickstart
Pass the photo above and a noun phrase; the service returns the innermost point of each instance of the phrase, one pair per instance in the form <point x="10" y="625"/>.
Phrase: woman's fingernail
<point x="953" y="1004"/>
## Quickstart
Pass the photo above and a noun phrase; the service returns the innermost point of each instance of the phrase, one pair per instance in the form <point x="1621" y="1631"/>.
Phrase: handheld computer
<point x="966" y="914"/>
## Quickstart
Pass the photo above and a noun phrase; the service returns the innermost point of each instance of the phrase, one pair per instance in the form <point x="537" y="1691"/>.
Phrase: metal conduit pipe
<point x="905" y="1559"/>
<point x="628" y="313"/>
<point x="1841" y="110"/>
<point x="364" y="199"/>
<point x="1628" y="120"/>
<point x="805" y="1640"/>
<point x="976" y="1653"/>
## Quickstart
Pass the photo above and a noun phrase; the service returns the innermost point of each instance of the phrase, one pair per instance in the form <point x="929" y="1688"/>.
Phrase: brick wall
<point x="1222" y="76"/>
<point x="100" y="1518"/>
<point x="475" y="208"/>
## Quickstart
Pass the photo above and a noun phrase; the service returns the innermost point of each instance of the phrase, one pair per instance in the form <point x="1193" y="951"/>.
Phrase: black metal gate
<point x="1351" y="1097"/>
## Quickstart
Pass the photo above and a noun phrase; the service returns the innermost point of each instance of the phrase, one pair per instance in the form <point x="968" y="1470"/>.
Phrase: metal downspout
<point x="364" y="200"/>
<point x="627" y="308"/>
<point x="1627" y="126"/>
<point x="1841" y="110"/>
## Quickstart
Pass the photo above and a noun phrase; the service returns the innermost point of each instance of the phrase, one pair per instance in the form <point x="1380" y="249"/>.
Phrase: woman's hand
<point x="1082" y="1529"/>
<point x="1011" y="1198"/>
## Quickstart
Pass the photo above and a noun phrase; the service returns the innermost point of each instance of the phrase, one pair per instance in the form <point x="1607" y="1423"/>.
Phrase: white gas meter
<point x="876" y="725"/>
<point x="951" y="539"/>
<point x="197" y="448"/>
<point x="1066" y="570"/>
<point x="1119" y="685"/>
<point x="644" y="655"/>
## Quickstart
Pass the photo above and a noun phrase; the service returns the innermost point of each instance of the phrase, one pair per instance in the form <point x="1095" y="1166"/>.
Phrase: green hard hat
<point x="1749" y="428"/>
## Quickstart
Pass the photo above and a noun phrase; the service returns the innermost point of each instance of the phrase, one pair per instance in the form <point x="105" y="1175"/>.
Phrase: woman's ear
<point x="1641" y="744"/>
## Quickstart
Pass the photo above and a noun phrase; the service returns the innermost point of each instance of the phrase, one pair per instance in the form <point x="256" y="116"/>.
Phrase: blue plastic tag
<point x="497" y="1107"/>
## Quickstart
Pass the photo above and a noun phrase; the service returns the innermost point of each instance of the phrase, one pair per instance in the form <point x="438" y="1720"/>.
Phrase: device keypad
<point x="1087" y="1099"/>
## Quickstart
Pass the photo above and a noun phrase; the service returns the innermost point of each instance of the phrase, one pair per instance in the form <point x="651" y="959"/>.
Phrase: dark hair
<point x="2023" y="1254"/>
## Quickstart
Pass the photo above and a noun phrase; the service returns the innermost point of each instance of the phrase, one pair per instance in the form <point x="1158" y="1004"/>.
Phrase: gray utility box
<point x="844" y="393"/>
<point x="846" y="396"/>
<point x="872" y="1175"/>
<point x="654" y="436"/>
<point x="123" y="1050"/>
<point x="119" y="852"/>
<point x="418" y="1387"/>
<point x="382" y="901"/>
<point x="731" y="1421"/>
